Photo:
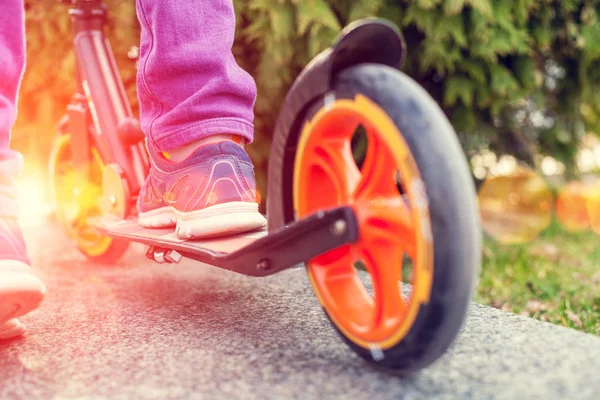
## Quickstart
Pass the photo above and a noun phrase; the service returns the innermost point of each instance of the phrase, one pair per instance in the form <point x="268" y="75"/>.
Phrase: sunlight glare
<point x="571" y="207"/>
<point x="34" y="204"/>
<point x="516" y="207"/>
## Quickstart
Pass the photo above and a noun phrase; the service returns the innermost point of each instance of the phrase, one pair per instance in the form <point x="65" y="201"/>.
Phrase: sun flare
<point x="34" y="202"/>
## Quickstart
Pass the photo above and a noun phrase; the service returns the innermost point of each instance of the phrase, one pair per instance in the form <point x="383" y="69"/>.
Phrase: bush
<point x="515" y="76"/>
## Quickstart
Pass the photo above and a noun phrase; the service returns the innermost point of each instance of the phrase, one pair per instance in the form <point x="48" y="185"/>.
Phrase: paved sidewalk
<point x="141" y="330"/>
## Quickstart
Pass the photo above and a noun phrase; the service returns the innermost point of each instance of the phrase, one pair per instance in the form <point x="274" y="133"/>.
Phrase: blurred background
<point x="519" y="80"/>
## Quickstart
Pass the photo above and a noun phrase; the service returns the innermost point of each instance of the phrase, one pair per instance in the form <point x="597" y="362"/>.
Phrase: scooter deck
<point x="257" y="253"/>
<point x="166" y="238"/>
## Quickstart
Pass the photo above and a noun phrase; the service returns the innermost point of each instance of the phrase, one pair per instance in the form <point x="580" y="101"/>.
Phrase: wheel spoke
<point x="336" y="264"/>
<point x="378" y="172"/>
<point x="336" y="269"/>
<point x="334" y="157"/>
<point x="389" y="219"/>
<point x="386" y="233"/>
<point x="384" y="263"/>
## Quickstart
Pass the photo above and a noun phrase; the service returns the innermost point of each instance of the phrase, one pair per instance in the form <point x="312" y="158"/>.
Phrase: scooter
<point x="366" y="178"/>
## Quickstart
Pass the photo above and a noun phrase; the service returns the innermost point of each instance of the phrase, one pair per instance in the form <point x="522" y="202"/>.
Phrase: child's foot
<point x="20" y="290"/>
<point x="210" y="193"/>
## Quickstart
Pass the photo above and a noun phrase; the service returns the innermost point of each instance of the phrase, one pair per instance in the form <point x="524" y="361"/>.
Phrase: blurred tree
<point x="49" y="84"/>
<point x="515" y="76"/>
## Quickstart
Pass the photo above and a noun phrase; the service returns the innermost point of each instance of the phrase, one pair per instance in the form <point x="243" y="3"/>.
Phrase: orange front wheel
<point x="384" y="148"/>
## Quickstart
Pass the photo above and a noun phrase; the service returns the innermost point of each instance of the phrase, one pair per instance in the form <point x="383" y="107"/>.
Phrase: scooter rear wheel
<point x="74" y="205"/>
<point x="414" y="198"/>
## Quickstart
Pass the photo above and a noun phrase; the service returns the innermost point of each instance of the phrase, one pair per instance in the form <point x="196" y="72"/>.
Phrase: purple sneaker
<point x="211" y="193"/>
<point x="20" y="290"/>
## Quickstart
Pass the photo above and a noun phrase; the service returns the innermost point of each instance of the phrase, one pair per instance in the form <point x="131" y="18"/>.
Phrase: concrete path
<point x="144" y="331"/>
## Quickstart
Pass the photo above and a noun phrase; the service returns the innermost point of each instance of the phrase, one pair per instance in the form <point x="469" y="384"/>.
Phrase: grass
<point x="555" y="278"/>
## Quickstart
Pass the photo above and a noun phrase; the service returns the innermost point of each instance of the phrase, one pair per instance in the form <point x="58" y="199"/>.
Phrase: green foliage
<point x="554" y="278"/>
<point x="517" y="76"/>
<point x="49" y="82"/>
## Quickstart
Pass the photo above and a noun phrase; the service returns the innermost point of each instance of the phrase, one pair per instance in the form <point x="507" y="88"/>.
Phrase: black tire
<point x="452" y="205"/>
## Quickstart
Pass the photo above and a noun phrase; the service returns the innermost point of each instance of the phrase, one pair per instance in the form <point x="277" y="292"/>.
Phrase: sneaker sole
<point x="20" y="293"/>
<point x="218" y="220"/>
<point x="164" y="217"/>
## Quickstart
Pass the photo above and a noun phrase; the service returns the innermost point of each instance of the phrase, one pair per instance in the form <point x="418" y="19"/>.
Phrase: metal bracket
<point x="163" y="256"/>
<point x="290" y="246"/>
<point x="173" y="257"/>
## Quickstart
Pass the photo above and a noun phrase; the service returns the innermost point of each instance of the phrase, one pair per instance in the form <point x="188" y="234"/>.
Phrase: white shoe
<point x="12" y="328"/>
<point x="20" y="293"/>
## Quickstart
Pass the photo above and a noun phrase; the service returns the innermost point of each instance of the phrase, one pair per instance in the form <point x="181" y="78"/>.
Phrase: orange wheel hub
<point x="390" y="225"/>
<point x="73" y="204"/>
